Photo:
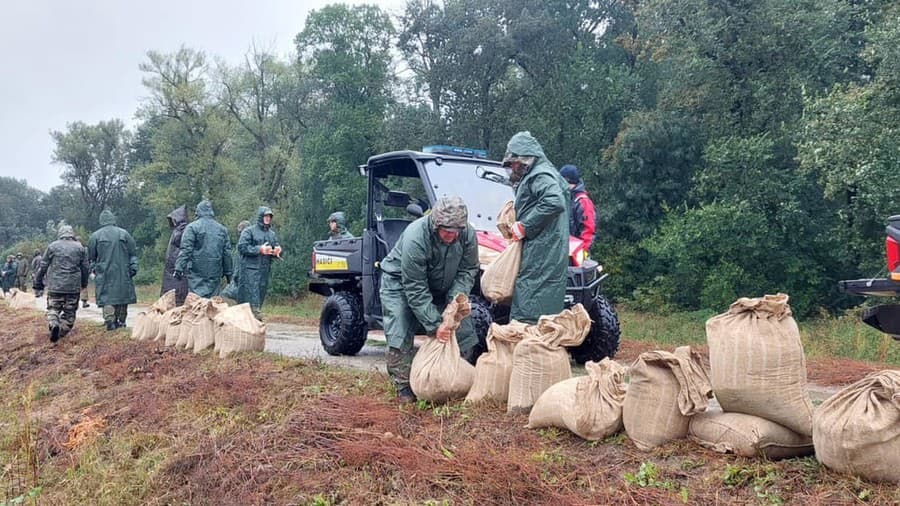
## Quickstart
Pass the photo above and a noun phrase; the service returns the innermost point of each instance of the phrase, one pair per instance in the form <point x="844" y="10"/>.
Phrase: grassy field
<point x="103" y="419"/>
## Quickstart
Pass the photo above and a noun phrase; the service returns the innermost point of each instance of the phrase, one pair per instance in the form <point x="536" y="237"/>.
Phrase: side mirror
<point x="492" y="176"/>
<point x="415" y="210"/>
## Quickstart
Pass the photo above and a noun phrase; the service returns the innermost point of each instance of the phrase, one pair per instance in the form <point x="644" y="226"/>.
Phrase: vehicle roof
<point x="418" y="155"/>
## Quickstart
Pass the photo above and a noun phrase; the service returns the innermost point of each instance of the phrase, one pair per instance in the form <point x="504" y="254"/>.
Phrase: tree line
<point x="732" y="147"/>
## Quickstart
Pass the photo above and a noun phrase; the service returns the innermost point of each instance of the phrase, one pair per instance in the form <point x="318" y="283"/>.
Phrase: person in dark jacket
<point x="205" y="253"/>
<point x="63" y="272"/>
<point x="8" y="274"/>
<point x="582" y="218"/>
<point x="435" y="259"/>
<point x="542" y="211"/>
<point x="258" y="245"/>
<point x="178" y="220"/>
<point x="35" y="265"/>
<point x="113" y="258"/>
<point x="21" y="273"/>
<point x="337" y="226"/>
<point x="231" y="290"/>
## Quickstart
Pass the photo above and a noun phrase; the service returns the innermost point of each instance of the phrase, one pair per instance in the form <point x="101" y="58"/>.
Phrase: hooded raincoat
<point x="342" y="232"/>
<point x="113" y="258"/>
<point x="205" y="253"/>
<point x="421" y="275"/>
<point x="64" y="267"/>
<point x="177" y="222"/>
<point x="542" y="206"/>
<point x="254" y="276"/>
<point x="8" y="271"/>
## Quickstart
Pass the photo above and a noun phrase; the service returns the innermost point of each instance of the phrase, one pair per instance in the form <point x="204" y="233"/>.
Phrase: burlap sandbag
<point x="589" y="406"/>
<point x="173" y="318"/>
<point x="141" y="327"/>
<point x="499" y="277"/>
<point x="747" y="436"/>
<point x="238" y="330"/>
<point x="541" y="360"/>
<point x="202" y="325"/>
<point x="438" y="373"/>
<point x="665" y="390"/>
<point x="757" y="365"/>
<point x="157" y="312"/>
<point x="857" y="430"/>
<point x="193" y="304"/>
<point x="494" y="367"/>
<point x="21" y="300"/>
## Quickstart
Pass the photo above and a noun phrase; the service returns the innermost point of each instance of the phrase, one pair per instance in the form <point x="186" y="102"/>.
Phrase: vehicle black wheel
<point x="481" y="320"/>
<point x="342" y="328"/>
<point x="603" y="339"/>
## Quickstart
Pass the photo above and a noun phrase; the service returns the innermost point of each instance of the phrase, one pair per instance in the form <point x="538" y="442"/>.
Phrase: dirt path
<point x="302" y="341"/>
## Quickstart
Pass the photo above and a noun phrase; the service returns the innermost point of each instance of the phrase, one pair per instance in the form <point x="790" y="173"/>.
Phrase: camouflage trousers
<point x="22" y="283"/>
<point x="115" y="314"/>
<point x="61" y="308"/>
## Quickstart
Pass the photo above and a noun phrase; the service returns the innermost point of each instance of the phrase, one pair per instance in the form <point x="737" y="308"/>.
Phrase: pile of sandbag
<point x="494" y="367"/>
<point x="198" y="329"/>
<point x="757" y="370"/>
<point x="665" y="391"/>
<point x="438" y="373"/>
<point x="236" y="330"/>
<point x="857" y="430"/>
<point x="499" y="276"/>
<point x="173" y="320"/>
<point x="589" y="406"/>
<point x="20" y="300"/>
<point x="541" y="360"/>
<point x="146" y="324"/>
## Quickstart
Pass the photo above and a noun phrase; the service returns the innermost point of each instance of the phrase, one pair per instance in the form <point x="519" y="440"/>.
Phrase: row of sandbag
<point x="18" y="299"/>
<point x="521" y="362"/>
<point x="201" y="323"/>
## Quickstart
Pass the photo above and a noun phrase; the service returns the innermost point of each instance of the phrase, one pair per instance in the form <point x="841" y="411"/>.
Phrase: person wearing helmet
<point x="257" y="246"/>
<point x="434" y="259"/>
<point x="542" y="211"/>
<point x="337" y="226"/>
<point x="21" y="272"/>
<point x="63" y="272"/>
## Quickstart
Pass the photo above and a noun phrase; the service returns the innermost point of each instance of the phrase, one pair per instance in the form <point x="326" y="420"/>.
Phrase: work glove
<point x="517" y="230"/>
<point x="443" y="333"/>
<point x="178" y="274"/>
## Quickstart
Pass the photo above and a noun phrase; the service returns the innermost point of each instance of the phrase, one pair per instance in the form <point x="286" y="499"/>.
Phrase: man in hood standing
<point x="63" y="271"/>
<point x="435" y="259"/>
<point x="113" y="257"/>
<point x="21" y="272"/>
<point x="337" y="226"/>
<point x="582" y="218"/>
<point x="178" y="220"/>
<point x="205" y="253"/>
<point x="542" y="211"/>
<point x="257" y="246"/>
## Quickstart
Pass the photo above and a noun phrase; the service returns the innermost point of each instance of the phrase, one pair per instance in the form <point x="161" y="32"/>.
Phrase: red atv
<point x="885" y="317"/>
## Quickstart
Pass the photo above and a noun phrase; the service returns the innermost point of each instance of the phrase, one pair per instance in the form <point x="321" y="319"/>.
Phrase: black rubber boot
<point x="406" y="396"/>
<point x="110" y="325"/>
<point x="54" y="333"/>
<point x="85" y="303"/>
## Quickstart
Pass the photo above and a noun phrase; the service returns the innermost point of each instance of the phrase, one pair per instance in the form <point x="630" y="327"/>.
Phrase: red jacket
<point x="582" y="220"/>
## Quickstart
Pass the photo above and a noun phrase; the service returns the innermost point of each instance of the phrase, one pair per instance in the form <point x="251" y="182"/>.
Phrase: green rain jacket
<point x="113" y="258"/>
<point x="253" y="282"/>
<point x="9" y="270"/>
<point x="429" y="271"/>
<point x="342" y="232"/>
<point x="64" y="266"/>
<point x="205" y="255"/>
<point x="542" y="206"/>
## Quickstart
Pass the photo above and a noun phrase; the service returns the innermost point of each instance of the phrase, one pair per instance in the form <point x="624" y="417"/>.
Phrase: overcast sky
<point x="77" y="60"/>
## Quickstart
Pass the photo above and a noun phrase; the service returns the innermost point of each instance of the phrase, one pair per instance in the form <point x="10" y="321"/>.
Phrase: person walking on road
<point x="113" y="258"/>
<point x="178" y="220"/>
<point x="205" y="253"/>
<point x="63" y="272"/>
<point x="542" y="211"/>
<point x="435" y="259"/>
<point x="258" y="245"/>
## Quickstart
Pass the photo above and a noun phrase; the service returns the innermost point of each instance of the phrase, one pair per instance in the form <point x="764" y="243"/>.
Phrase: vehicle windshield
<point x="483" y="198"/>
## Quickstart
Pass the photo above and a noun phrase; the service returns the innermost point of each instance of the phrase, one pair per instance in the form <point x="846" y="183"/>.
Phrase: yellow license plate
<point x="326" y="263"/>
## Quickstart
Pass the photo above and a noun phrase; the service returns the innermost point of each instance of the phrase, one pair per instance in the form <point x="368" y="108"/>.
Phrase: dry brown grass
<point x="116" y="421"/>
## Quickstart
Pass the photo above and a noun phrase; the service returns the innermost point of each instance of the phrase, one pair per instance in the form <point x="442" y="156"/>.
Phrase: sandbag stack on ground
<point x="747" y="436"/>
<point x="665" y="390"/>
<point x="185" y="337"/>
<point x="494" y="367"/>
<point x="200" y="324"/>
<point x="589" y="406"/>
<point x="438" y="373"/>
<point x="238" y="330"/>
<point x="757" y="365"/>
<point x="499" y="276"/>
<point x="857" y="430"/>
<point x="541" y="360"/>
<point x="147" y="324"/>
<point x="174" y="318"/>
<point x="21" y="300"/>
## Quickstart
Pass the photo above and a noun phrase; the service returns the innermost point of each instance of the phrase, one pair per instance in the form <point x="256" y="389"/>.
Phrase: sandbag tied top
<point x="164" y="303"/>
<point x="757" y="364"/>
<point x="857" y="430"/>
<point x="438" y="373"/>
<point x="687" y="366"/>
<point x="456" y="311"/>
<point x="505" y="219"/>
